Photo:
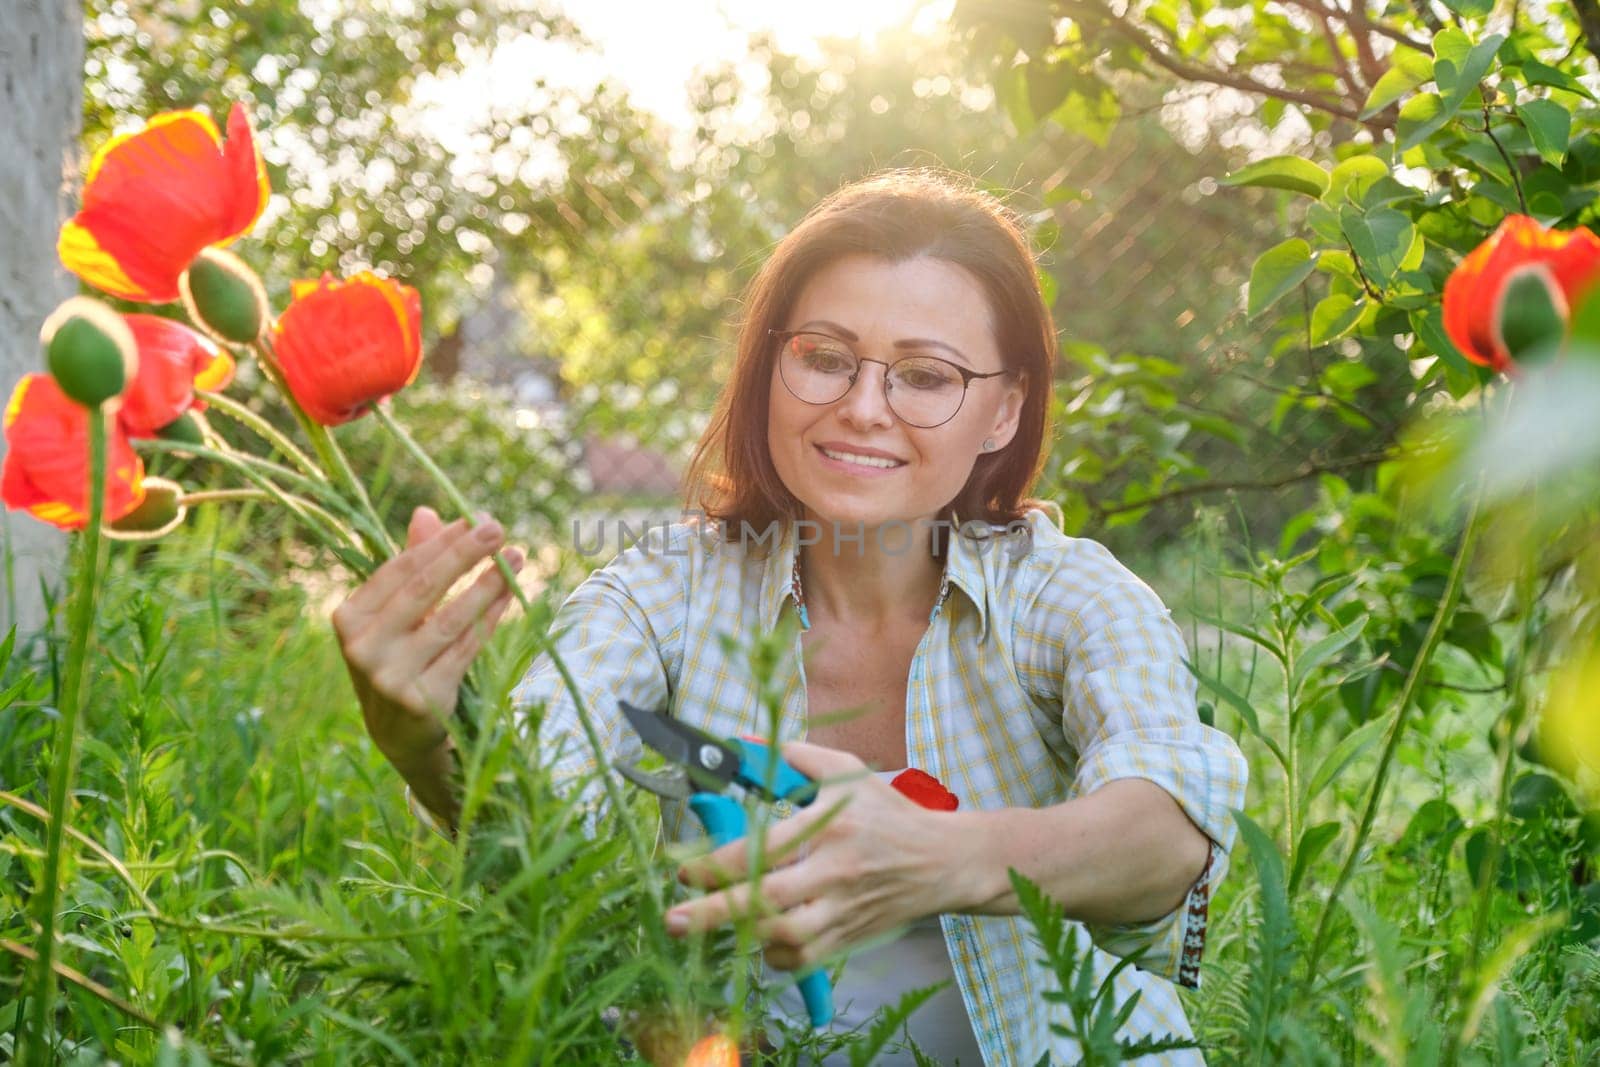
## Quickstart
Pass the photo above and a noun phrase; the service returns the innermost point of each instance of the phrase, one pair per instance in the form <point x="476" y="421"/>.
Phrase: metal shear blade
<point x="674" y="783"/>
<point x="703" y="763"/>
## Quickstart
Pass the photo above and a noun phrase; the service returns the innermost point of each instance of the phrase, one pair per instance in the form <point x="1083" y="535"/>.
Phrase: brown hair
<point x="895" y="215"/>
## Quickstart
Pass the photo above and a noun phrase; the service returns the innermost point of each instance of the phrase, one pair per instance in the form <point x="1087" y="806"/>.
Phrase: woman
<point x="866" y="470"/>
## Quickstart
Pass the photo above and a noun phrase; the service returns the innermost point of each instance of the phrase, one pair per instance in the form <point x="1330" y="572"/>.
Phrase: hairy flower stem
<point x="217" y="496"/>
<point x="80" y="625"/>
<point x="1516" y="709"/>
<point x="328" y="529"/>
<point x="265" y="430"/>
<point x="327" y="449"/>
<point x="1391" y="744"/>
<point x="544" y="644"/>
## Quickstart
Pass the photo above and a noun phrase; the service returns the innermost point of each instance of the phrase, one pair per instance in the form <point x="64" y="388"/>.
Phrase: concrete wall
<point x="41" y="103"/>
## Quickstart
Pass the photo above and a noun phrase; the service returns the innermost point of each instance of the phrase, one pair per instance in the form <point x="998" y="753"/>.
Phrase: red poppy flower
<point x="344" y="345"/>
<point x="174" y="361"/>
<point x="1475" y="293"/>
<point x="46" y="468"/>
<point x="154" y="198"/>
<point x="925" y="789"/>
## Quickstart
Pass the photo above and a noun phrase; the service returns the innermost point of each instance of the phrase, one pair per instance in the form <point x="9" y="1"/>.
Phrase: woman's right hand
<point x="406" y="651"/>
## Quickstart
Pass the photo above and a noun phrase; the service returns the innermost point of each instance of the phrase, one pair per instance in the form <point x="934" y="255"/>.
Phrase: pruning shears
<point x="703" y="768"/>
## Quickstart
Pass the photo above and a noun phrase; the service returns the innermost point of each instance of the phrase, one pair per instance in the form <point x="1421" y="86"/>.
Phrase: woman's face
<point x="888" y="311"/>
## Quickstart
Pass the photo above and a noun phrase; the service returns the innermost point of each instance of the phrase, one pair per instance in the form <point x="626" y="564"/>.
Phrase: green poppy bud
<point x="90" y="351"/>
<point x="223" y="295"/>
<point x="186" y="428"/>
<point x="157" y="515"/>
<point x="1533" y="315"/>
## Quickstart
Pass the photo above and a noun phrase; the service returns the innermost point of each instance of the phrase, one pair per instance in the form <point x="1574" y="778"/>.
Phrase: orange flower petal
<point x="343" y="345"/>
<point x="46" y="469"/>
<point x="216" y="374"/>
<point x="717" y="1050"/>
<point x="154" y="198"/>
<point x="170" y="354"/>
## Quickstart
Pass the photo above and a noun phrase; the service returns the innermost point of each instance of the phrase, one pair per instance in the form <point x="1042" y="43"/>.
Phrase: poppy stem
<point x="218" y="496"/>
<point x="1391" y="744"/>
<point x="328" y="451"/>
<point x="458" y="501"/>
<point x="80" y="625"/>
<point x="544" y="644"/>
<point x="265" y="430"/>
<point x="338" y="538"/>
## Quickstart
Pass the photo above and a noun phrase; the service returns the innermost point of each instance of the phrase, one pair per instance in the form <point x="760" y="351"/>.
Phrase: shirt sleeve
<point x="1129" y="711"/>
<point x="620" y="635"/>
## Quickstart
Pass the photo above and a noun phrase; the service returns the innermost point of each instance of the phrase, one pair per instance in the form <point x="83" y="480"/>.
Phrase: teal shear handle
<point x="724" y="821"/>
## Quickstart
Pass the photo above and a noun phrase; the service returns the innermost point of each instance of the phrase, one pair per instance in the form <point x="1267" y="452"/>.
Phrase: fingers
<point x="799" y="938"/>
<point x="731" y="862"/>
<point x="457" y="630"/>
<point x="425" y="523"/>
<point x="821" y="763"/>
<point x="779" y="891"/>
<point x="406" y="588"/>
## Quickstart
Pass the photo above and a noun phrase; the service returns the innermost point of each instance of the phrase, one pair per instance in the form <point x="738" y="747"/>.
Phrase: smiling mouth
<point x="864" y="462"/>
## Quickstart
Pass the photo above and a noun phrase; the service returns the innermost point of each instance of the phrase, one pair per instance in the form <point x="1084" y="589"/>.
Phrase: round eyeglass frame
<point x="967" y="376"/>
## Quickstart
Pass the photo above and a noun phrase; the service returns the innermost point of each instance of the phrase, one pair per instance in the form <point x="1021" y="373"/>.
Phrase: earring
<point x="988" y="444"/>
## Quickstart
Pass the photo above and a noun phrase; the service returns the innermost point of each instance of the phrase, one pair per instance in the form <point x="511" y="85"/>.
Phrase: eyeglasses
<point x="922" y="391"/>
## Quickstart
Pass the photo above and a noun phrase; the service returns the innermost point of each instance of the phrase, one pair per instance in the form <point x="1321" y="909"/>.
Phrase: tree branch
<point x="1309" y="470"/>
<point x="1357" y="90"/>
<point x="1588" y="12"/>
<point x="1197" y="73"/>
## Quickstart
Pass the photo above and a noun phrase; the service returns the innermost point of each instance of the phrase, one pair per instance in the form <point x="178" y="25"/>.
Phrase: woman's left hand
<point x="878" y="862"/>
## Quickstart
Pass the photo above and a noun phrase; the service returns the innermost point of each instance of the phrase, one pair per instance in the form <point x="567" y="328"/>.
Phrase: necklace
<point x="800" y="596"/>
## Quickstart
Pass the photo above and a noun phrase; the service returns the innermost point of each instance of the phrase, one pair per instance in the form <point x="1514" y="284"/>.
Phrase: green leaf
<point x="1549" y="126"/>
<point x="1337" y="261"/>
<point x="1239" y="704"/>
<point x="1510" y="948"/>
<point x="1536" y="73"/>
<point x="1420" y="117"/>
<point x="1282" y="172"/>
<point x="1013" y="94"/>
<point x="1459" y="75"/>
<point x="1453" y="46"/>
<point x="1277" y="272"/>
<point x="1410" y="69"/>
<point x="1343" y="754"/>
<point x="1353" y="176"/>
<point x="1325" y="649"/>
<point x="1334" y="316"/>
<point x="1312" y="844"/>
<point x="1347" y="377"/>
<point x="1381" y="239"/>
<point x="1471" y="9"/>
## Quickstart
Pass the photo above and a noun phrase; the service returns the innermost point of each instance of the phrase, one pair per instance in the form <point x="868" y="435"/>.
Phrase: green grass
<point x="249" y="887"/>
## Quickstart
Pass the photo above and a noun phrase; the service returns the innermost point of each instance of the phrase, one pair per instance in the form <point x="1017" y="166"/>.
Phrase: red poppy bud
<point x="89" y="350"/>
<point x="223" y="295"/>
<point x="925" y="789"/>
<point x="159" y="513"/>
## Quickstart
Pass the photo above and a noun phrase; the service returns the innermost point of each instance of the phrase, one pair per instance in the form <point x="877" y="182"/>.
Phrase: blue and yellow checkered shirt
<point x="1055" y="671"/>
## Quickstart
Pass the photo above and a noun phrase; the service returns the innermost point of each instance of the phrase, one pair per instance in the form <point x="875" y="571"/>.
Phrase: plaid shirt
<point x="1055" y="671"/>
